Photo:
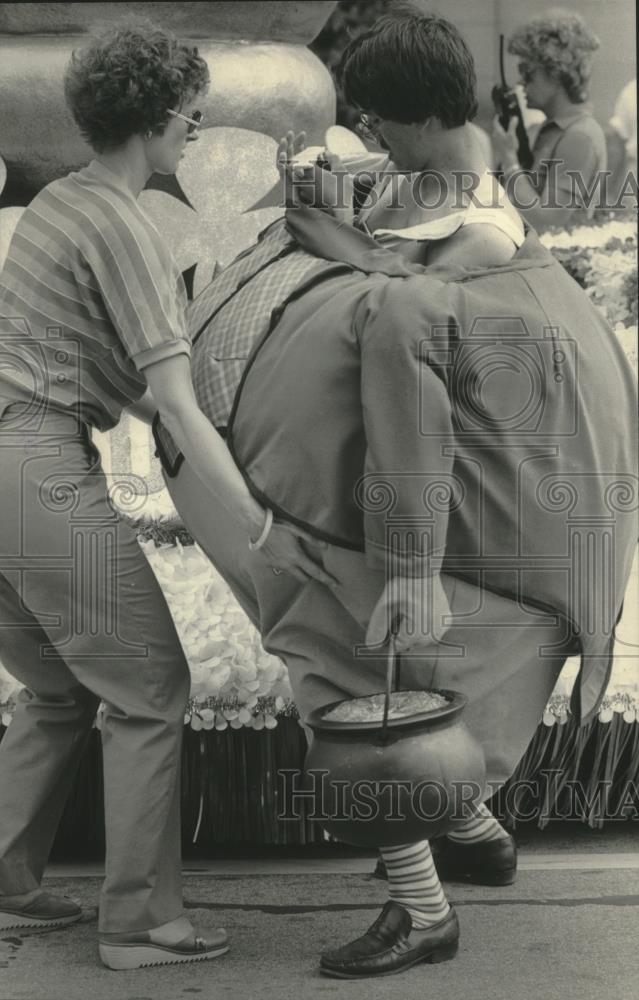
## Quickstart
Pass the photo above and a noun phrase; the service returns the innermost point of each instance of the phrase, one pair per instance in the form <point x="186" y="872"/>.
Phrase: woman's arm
<point x="170" y="385"/>
<point x="172" y="389"/>
<point x="145" y="408"/>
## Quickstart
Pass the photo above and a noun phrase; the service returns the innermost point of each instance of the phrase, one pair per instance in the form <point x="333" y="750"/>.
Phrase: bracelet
<point x="268" y="524"/>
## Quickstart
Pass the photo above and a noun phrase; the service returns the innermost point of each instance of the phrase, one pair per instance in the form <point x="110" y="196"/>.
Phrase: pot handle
<point x="392" y="671"/>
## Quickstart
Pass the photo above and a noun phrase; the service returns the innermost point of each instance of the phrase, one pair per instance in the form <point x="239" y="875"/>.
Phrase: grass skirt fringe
<point x="232" y="796"/>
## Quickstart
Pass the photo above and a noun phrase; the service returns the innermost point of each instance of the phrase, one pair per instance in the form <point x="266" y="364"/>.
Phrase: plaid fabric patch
<point x="272" y="242"/>
<point x="222" y="350"/>
<point x="230" y="316"/>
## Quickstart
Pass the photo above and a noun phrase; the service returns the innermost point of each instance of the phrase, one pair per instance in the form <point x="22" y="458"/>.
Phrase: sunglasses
<point x="194" y="121"/>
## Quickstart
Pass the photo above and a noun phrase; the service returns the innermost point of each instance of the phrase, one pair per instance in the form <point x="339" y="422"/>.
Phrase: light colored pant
<point x="495" y="652"/>
<point x="82" y="618"/>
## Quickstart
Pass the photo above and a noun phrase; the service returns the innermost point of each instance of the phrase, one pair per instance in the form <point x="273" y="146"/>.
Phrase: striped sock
<point x="413" y="882"/>
<point x="482" y="825"/>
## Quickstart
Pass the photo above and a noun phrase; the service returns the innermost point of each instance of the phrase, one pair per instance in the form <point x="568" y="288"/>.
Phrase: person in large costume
<point x="452" y="425"/>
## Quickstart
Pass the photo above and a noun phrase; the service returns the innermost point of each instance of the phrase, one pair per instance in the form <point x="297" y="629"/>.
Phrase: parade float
<point x="242" y="729"/>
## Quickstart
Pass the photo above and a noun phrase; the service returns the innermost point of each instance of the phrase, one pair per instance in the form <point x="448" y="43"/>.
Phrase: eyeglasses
<point x="194" y="121"/>
<point x="369" y="125"/>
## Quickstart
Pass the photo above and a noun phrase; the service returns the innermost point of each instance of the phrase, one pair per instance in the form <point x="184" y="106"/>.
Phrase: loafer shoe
<point x="391" y="945"/>
<point x="42" y="912"/>
<point x="138" y="950"/>
<point x="487" y="862"/>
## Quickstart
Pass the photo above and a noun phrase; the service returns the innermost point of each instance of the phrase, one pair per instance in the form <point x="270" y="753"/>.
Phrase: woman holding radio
<point x="569" y="152"/>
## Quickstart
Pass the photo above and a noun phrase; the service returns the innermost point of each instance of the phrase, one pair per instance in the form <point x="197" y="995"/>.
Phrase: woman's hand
<point x="285" y="552"/>
<point x="505" y="144"/>
<point x="413" y="609"/>
<point x="329" y="189"/>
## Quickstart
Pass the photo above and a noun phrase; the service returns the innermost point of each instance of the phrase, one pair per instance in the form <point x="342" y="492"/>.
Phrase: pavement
<point x="568" y="928"/>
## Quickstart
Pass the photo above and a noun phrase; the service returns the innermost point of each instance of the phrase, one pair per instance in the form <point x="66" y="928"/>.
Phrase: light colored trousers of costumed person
<point x="82" y="618"/>
<point x="493" y="652"/>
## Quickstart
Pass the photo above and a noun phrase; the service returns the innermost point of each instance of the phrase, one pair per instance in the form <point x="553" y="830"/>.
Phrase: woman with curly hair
<point x="555" y="52"/>
<point x="91" y="323"/>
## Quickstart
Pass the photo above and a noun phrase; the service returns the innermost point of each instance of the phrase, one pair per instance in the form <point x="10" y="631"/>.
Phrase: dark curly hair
<point x="124" y="81"/>
<point x="562" y="44"/>
<point x="409" y="66"/>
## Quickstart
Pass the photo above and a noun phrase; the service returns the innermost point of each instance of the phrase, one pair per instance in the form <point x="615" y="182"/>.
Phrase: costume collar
<point x="322" y="235"/>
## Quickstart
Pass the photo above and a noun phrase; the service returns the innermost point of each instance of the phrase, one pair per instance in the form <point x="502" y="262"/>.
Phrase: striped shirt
<point x="89" y="296"/>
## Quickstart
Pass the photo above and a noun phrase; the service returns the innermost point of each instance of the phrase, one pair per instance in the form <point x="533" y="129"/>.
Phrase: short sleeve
<point x="142" y="289"/>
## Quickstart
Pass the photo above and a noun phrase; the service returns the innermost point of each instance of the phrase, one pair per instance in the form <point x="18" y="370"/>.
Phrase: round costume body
<point x="426" y="421"/>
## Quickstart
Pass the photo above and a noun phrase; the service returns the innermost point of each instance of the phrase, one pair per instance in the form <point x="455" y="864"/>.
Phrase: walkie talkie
<point x="507" y="107"/>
